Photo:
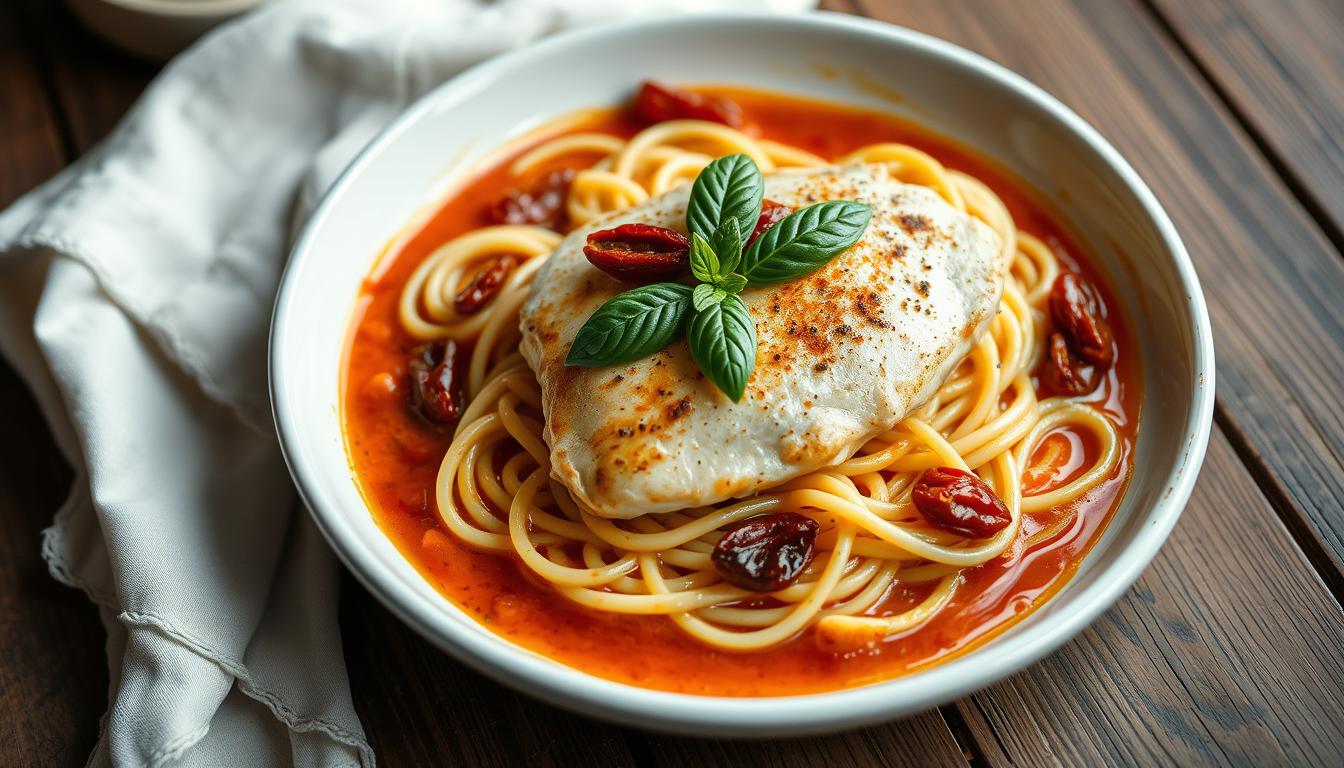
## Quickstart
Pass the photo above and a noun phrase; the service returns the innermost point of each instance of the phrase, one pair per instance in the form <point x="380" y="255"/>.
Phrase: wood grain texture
<point x="1226" y="652"/>
<point x="53" y="674"/>
<point x="398" y="680"/>
<point x="419" y="707"/>
<point x="923" y="741"/>
<point x="53" y="678"/>
<point x="1196" y="664"/>
<point x="30" y="150"/>
<point x="1272" y="279"/>
<point x="94" y="83"/>
<point x="1280" y="66"/>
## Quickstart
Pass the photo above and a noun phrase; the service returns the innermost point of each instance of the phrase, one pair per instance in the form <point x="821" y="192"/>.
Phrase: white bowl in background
<point x="156" y="29"/>
<point x="954" y="92"/>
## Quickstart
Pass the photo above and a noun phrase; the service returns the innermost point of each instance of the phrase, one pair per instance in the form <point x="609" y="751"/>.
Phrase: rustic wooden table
<point x="1229" y="650"/>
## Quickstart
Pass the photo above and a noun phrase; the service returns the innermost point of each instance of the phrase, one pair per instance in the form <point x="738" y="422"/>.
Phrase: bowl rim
<point x="176" y="9"/>
<point x="792" y="715"/>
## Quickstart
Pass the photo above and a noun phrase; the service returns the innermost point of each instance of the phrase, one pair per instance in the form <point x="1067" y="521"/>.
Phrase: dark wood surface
<point x="1229" y="649"/>
<point x="1280" y="68"/>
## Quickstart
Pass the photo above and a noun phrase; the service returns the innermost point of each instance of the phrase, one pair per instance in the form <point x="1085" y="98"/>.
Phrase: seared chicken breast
<point x="844" y="353"/>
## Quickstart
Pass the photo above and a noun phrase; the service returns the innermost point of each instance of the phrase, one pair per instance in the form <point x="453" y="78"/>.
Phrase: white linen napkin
<point x="135" y="295"/>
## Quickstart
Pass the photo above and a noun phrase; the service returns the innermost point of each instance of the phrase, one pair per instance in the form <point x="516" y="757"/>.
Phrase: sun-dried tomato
<point x="638" y="253"/>
<point x="1066" y="373"/>
<point x="958" y="501"/>
<point x="656" y="103"/>
<point x="542" y="204"/>
<point x="436" y="382"/>
<point x="766" y="553"/>
<point x="771" y="214"/>
<point x="485" y="284"/>
<point x="1076" y="309"/>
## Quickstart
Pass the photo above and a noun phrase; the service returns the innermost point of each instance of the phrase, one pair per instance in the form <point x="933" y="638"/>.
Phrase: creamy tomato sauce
<point x="395" y="456"/>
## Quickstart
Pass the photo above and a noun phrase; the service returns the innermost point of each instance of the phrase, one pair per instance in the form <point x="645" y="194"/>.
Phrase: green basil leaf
<point x="632" y="325"/>
<point x="722" y="339"/>
<point x="704" y="261"/>
<point x="803" y="241"/>
<point x="706" y="294"/>
<point x="727" y="244"/>
<point x="733" y="283"/>
<point x="730" y="187"/>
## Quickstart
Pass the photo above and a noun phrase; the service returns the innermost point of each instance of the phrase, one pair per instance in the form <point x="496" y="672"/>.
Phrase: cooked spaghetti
<point x="494" y="489"/>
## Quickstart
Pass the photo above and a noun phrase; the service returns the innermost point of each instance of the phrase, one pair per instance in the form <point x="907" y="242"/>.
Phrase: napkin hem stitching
<point x="282" y="711"/>
<point x="175" y="748"/>
<point x="53" y="549"/>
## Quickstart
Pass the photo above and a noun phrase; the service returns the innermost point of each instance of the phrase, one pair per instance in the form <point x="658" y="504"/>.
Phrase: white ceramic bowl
<point x="156" y="29"/>
<point x="946" y="88"/>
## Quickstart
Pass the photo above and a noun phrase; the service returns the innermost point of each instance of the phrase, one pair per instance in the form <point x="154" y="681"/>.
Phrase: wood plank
<point x="95" y="83"/>
<point x="1227" y="651"/>
<point x="1281" y="67"/>
<point x="922" y="741"/>
<point x="1272" y="279"/>
<point x="419" y="707"/>
<point x="397" y="678"/>
<point x="31" y="149"/>
<point x="53" y="677"/>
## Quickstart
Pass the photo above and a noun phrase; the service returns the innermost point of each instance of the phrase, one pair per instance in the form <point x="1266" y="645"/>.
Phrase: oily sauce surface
<point x="395" y="457"/>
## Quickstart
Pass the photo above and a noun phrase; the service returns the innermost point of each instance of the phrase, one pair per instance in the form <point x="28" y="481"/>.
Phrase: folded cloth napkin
<point x="135" y="293"/>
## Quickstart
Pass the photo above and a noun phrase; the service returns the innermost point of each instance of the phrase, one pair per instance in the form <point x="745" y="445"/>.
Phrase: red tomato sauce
<point x="395" y="457"/>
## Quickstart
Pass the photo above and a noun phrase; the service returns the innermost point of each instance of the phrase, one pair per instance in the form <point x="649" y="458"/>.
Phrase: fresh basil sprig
<point x="706" y="295"/>
<point x="727" y="243"/>
<point x="725" y="202"/>
<point x="631" y="325"/>
<point x="804" y="241"/>
<point x="730" y="187"/>
<point x="705" y="263"/>
<point x="722" y="338"/>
